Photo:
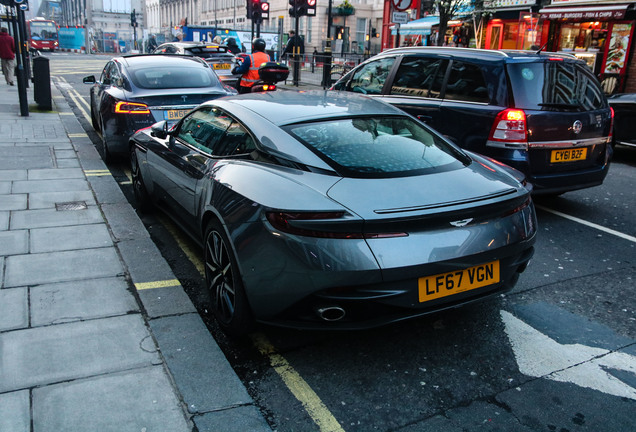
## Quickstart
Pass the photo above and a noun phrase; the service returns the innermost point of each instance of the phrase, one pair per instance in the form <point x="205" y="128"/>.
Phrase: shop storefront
<point x="599" y="32"/>
<point x="514" y="25"/>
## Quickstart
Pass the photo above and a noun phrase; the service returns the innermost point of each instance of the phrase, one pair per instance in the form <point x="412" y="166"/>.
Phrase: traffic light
<point x="254" y="11"/>
<point x="265" y="10"/>
<point x="133" y="18"/>
<point x="298" y="8"/>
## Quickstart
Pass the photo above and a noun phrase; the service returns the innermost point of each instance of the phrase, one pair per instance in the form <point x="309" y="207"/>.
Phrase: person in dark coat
<point x="232" y="46"/>
<point x="294" y="41"/>
<point x="7" y="55"/>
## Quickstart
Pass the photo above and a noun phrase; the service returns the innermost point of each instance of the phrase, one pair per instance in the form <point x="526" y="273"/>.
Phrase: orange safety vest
<point x="256" y="59"/>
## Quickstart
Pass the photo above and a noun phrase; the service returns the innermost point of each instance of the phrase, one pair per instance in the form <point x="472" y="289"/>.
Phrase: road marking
<point x="77" y="98"/>
<point x="317" y="410"/>
<point x="157" y="284"/>
<point x="192" y="255"/>
<point x="78" y="135"/>
<point x="589" y="224"/>
<point x="95" y="173"/>
<point x="539" y="356"/>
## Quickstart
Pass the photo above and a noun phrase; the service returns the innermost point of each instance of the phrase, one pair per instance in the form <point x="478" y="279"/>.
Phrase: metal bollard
<point x="42" y="83"/>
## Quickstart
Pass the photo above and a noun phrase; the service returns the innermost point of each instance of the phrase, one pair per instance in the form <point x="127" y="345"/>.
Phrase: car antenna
<point x="542" y="48"/>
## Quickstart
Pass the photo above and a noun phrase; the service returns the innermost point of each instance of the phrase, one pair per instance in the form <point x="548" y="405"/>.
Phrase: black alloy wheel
<point x="144" y="203"/>
<point x="224" y="283"/>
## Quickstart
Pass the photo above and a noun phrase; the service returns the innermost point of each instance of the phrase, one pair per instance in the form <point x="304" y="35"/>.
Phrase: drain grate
<point x="71" y="205"/>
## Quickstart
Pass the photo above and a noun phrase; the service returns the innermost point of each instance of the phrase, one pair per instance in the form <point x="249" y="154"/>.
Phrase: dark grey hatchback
<point x="542" y="113"/>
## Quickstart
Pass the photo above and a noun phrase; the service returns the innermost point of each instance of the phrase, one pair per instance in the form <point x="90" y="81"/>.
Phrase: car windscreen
<point x="378" y="146"/>
<point x="173" y="77"/>
<point x="555" y="85"/>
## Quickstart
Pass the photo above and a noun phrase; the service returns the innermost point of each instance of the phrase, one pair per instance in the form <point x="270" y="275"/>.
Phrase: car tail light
<point x="611" y="134"/>
<point x="131" y="108"/>
<point x="509" y="130"/>
<point x="284" y="221"/>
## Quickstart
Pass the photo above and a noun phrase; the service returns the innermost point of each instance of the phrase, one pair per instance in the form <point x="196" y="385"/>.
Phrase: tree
<point x="449" y="9"/>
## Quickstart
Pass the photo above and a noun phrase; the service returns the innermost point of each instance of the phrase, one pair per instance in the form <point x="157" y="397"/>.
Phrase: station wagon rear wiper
<point x="560" y="105"/>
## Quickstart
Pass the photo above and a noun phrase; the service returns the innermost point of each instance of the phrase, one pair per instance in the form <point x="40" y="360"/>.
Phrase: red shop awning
<point x="583" y="13"/>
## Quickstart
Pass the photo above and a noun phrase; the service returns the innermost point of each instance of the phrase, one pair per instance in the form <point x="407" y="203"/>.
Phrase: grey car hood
<point x="385" y="198"/>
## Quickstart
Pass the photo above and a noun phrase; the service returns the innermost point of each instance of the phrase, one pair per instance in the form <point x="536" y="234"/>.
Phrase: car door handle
<point x="424" y="118"/>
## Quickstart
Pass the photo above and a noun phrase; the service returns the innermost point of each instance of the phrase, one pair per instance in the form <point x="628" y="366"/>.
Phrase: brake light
<point x="283" y="221"/>
<point x="269" y="87"/>
<point x="131" y="108"/>
<point x="611" y="134"/>
<point x="509" y="130"/>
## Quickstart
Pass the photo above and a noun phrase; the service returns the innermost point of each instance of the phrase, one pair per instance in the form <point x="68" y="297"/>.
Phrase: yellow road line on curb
<point x="317" y="410"/>
<point x="157" y="284"/>
<point x="192" y="255"/>
<point x="78" y="135"/>
<point x="94" y="173"/>
<point x="67" y="113"/>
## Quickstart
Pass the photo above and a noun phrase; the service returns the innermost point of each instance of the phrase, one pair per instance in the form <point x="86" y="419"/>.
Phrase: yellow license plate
<point x="221" y="66"/>
<point x="446" y="284"/>
<point x="176" y="114"/>
<point x="568" y="155"/>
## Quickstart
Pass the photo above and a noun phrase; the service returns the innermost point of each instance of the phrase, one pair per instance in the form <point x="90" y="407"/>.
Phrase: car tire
<point x="223" y="279"/>
<point x="94" y="121"/>
<point x="103" y="149"/>
<point x="144" y="202"/>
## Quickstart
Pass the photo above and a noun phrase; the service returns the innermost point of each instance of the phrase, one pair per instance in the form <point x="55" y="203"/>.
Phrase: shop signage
<point x="580" y="13"/>
<point x="497" y="4"/>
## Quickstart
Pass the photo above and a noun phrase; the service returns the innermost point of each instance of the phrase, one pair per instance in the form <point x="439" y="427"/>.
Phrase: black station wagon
<point x="542" y="113"/>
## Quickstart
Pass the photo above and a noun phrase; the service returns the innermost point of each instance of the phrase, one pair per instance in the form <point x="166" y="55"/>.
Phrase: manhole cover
<point x="71" y="205"/>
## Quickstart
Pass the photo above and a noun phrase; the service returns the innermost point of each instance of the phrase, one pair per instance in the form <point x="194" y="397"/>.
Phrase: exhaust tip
<point x="331" y="313"/>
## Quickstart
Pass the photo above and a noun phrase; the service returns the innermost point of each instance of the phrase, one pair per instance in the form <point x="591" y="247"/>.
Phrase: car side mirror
<point x="89" y="79"/>
<point x="159" y="130"/>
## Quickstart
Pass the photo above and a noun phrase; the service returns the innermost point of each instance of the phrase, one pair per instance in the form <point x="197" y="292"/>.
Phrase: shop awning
<point x="583" y="12"/>
<point x="420" y="26"/>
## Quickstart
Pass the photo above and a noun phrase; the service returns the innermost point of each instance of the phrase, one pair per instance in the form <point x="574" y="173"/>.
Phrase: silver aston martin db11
<point x="333" y="210"/>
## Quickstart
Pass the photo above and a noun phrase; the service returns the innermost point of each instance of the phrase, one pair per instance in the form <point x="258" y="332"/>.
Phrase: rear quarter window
<point x="466" y="83"/>
<point x="555" y="85"/>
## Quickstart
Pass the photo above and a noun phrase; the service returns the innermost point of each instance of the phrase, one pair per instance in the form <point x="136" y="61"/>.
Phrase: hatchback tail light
<point x="131" y="108"/>
<point x="509" y="130"/>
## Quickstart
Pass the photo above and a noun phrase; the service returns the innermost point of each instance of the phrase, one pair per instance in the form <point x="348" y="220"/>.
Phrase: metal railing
<point x="312" y="67"/>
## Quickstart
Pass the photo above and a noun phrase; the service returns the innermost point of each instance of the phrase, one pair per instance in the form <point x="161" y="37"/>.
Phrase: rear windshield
<point x="209" y="51"/>
<point x="555" y="85"/>
<point x="377" y="147"/>
<point x="174" y="77"/>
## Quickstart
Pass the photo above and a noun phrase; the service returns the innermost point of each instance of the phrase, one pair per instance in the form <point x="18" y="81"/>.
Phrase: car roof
<point x="159" y="60"/>
<point x="286" y="107"/>
<point x="482" y="54"/>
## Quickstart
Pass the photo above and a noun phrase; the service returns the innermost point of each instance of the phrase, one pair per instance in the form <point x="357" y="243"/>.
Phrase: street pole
<point x="18" y="15"/>
<point x="326" y="65"/>
<point x="296" y="52"/>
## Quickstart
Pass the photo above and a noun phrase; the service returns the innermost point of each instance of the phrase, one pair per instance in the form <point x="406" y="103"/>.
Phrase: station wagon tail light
<point x="131" y="108"/>
<point x="509" y="130"/>
<point x="284" y="221"/>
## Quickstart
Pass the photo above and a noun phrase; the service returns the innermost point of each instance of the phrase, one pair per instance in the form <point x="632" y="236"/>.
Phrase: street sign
<point x="400" y="17"/>
<point x="401" y="5"/>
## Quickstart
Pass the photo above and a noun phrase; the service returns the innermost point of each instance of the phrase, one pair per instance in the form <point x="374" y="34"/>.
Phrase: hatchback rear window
<point x="378" y="147"/>
<point x="555" y="85"/>
<point x="173" y="77"/>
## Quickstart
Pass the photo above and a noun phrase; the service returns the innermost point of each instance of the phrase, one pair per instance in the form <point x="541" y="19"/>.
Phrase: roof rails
<point x="450" y="49"/>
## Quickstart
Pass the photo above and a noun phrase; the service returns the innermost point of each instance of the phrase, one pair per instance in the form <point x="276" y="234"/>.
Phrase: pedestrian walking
<point x="7" y="55"/>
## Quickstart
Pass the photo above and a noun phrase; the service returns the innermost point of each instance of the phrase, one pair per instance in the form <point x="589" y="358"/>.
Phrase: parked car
<point x="624" y="106"/>
<point x="137" y="91"/>
<point x="292" y="196"/>
<point x="217" y="56"/>
<point x="544" y="114"/>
